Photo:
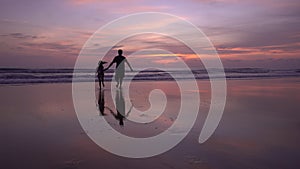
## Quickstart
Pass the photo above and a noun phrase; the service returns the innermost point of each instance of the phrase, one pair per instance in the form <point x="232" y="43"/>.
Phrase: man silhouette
<point x="120" y="67"/>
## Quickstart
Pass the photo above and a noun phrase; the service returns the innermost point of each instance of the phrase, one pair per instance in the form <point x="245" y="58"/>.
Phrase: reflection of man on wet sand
<point x="120" y="67"/>
<point x="120" y="106"/>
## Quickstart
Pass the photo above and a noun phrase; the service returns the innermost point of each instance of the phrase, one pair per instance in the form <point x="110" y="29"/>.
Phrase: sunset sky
<point x="246" y="33"/>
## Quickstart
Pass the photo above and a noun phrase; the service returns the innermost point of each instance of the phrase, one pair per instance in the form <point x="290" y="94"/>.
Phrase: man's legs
<point x="117" y="79"/>
<point x="119" y="75"/>
<point x="121" y="81"/>
<point x="118" y="82"/>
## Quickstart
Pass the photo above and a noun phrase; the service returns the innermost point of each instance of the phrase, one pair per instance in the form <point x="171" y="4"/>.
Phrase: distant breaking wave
<point x="32" y="76"/>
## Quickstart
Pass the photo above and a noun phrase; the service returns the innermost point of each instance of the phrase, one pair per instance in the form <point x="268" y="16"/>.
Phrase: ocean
<point x="35" y="76"/>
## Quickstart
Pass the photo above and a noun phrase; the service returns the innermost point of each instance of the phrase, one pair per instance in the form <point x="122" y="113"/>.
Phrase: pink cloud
<point x="141" y="8"/>
<point x="83" y="2"/>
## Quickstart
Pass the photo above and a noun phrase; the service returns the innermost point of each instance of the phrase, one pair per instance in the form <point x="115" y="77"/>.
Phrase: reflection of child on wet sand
<point x="101" y="103"/>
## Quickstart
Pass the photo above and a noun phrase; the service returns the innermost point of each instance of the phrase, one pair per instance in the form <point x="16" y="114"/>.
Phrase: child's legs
<point x="99" y="80"/>
<point x="102" y="80"/>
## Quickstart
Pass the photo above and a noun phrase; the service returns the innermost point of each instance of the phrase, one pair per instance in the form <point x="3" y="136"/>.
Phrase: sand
<point x="259" y="128"/>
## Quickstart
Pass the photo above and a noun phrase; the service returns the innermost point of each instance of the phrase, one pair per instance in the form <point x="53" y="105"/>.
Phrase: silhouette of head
<point x="101" y="62"/>
<point x="120" y="51"/>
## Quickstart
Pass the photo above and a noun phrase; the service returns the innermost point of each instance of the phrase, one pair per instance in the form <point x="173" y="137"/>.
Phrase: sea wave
<point x="31" y="76"/>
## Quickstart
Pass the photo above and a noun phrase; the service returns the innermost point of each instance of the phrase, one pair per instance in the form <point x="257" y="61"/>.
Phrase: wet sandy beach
<point x="259" y="128"/>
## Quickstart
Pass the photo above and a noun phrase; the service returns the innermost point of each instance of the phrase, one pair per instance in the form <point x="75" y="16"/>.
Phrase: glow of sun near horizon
<point x="257" y="33"/>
